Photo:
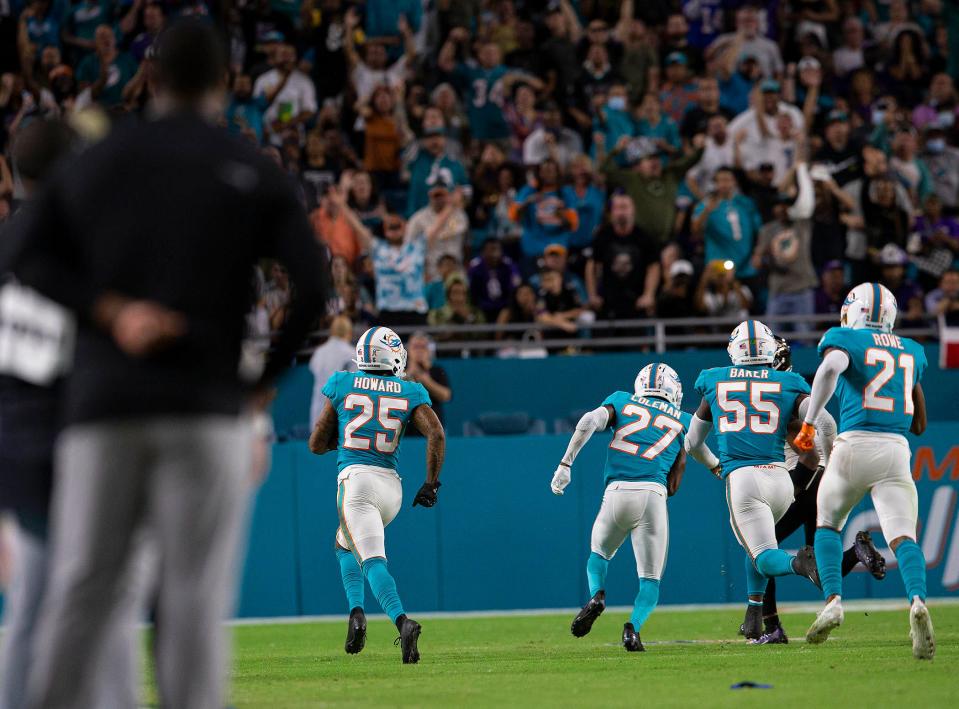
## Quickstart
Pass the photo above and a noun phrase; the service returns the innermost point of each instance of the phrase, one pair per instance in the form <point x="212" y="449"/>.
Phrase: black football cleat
<point x="356" y="632"/>
<point x="805" y="565"/>
<point x="753" y="624"/>
<point x="869" y="556"/>
<point x="631" y="640"/>
<point x="776" y="636"/>
<point x="583" y="622"/>
<point x="407" y="641"/>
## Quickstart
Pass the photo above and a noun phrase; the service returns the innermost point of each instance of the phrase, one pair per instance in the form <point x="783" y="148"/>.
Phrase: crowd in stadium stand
<point x="563" y="161"/>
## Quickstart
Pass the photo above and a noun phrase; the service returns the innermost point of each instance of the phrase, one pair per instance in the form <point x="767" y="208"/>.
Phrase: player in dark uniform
<point x="806" y="475"/>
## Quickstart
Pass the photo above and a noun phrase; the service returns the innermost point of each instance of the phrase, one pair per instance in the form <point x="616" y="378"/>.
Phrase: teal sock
<point x="912" y="567"/>
<point x="646" y="601"/>
<point x="596" y="568"/>
<point x="352" y="578"/>
<point x="384" y="587"/>
<point x="828" y="548"/>
<point x="755" y="581"/>
<point x="775" y="562"/>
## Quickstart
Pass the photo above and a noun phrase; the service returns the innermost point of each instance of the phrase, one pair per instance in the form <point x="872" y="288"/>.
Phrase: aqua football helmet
<point x="661" y="381"/>
<point x="752" y="343"/>
<point x="379" y="349"/>
<point x="869" y="306"/>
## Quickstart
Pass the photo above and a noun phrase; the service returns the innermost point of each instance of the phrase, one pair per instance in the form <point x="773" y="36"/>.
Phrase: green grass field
<point x="692" y="658"/>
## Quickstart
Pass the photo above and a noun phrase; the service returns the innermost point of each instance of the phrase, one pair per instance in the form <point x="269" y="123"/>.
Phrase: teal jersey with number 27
<point x="372" y="413"/>
<point x="875" y="391"/>
<point x="751" y="408"/>
<point x="648" y="436"/>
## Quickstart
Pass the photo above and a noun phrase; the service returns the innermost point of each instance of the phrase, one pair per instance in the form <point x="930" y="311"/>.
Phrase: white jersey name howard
<point x="377" y="384"/>
<point x="749" y="373"/>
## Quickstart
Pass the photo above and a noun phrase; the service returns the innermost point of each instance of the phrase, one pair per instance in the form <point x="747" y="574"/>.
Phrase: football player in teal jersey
<point x="365" y="418"/>
<point x="876" y="374"/>
<point x="751" y="405"/>
<point x="644" y="465"/>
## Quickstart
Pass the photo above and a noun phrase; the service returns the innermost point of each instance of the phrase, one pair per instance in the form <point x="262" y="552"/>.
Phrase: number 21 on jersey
<point x="672" y="428"/>
<point x="871" y="398"/>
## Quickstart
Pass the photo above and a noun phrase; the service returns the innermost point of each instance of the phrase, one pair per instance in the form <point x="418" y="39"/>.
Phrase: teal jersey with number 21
<point x="875" y="391"/>
<point x="372" y="413"/>
<point x="751" y="408"/>
<point x="648" y="436"/>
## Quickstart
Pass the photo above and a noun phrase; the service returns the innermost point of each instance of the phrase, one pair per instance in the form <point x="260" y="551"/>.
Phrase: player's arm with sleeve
<point x="835" y="361"/>
<point x="699" y="428"/>
<point x="919" y="416"/>
<point x="675" y="475"/>
<point x="324" y="433"/>
<point x="599" y="419"/>
<point x="428" y="424"/>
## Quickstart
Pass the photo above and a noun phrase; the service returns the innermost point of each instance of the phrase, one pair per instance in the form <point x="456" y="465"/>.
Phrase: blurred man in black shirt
<point x="150" y="239"/>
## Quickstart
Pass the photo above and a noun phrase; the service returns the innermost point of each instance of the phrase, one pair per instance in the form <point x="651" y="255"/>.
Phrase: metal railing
<point x="657" y="334"/>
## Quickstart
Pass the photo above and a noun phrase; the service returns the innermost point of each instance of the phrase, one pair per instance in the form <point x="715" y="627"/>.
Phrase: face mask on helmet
<point x="752" y="343"/>
<point x="783" y="361"/>
<point x="658" y="380"/>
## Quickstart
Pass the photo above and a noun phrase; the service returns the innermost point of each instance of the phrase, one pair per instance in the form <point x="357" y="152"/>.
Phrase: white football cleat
<point x="920" y="630"/>
<point x="829" y="619"/>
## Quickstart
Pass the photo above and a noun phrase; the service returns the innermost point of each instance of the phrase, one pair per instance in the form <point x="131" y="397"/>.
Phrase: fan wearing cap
<point x="551" y="139"/>
<point x="727" y="222"/>
<point x="676" y="298"/>
<point x="838" y="153"/>
<point x="893" y="261"/>
<point x="678" y="91"/>
<point x="747" y="38"/>
<point x="427" y="159"/>
<point x="768" y="109"/>
<point x="446" y="204"/>
<point x="832" y="288"/>
<point x="652" y="187"/>
<point x="555" y="258"/>
<point x="545" y="217"/>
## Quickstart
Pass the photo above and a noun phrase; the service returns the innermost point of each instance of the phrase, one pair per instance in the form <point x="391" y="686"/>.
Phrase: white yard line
<point x="867" y="605"/>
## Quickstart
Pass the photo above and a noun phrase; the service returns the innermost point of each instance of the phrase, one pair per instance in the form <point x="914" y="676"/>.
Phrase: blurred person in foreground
<point x="31" y="371"/>
<point x="157" y="427"/>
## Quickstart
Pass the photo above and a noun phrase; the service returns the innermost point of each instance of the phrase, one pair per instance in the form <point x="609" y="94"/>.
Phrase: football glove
<point x="560" y="479"/>
<point x="427" y="494"/>
<point x="806" y="438"/>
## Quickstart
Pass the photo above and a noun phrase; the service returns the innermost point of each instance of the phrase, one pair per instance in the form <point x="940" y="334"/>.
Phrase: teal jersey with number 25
<point x="875" y="391"/>
<point x="372" y="413"/>
<point x="751" y="408"/>
<point x="648" y="436"/>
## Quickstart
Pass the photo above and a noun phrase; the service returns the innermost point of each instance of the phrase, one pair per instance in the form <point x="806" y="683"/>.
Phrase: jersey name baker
<point x="377" y="384"/>
<point x="735" y="373"/>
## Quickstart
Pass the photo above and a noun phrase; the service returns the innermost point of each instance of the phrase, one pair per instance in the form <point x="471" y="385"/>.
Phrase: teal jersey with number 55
<point x="372" y="412"/>
<point x="875" y="391"/>
<point x="751" y="408"/>
<point x="647" y="439"/>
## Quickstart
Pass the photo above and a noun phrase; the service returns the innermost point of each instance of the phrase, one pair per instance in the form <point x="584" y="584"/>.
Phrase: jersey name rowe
<point x="875" y="392"/>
